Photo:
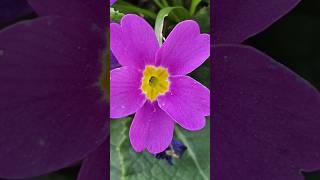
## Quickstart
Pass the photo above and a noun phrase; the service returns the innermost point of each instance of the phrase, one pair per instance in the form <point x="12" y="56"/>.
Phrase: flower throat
<point x="155" y="82"/>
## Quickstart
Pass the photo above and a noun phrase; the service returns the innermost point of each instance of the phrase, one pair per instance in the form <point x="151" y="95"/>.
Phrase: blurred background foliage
<point x="293" y="41"/>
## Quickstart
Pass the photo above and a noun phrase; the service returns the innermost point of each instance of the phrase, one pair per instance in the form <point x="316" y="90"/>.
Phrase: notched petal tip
<point x="133" y="41"/>
<point x="151" y="129"/>
<point x="185" y="49"/>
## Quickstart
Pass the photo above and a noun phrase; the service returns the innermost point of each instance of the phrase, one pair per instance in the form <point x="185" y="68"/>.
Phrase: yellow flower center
<point x="155" y="82"/>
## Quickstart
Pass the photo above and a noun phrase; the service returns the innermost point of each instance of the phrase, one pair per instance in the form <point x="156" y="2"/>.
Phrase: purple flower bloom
<point x="53" y="110"/>
<point x="266" y="118"/>
<point x="152" y="81"/>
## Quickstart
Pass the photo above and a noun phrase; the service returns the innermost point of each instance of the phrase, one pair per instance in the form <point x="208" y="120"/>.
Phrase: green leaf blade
<point x="163" y="13"/>
<point x="194" y="165"/>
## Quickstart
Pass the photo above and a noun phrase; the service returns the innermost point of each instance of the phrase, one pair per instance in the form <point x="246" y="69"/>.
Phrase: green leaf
<point x="177" y="2"/>
<point x="129" y="8"/>
<point x="164" y="2"/>
<point x="202" y="73"/>
<point x="115" y="15"/>
<point x="119" y="135"/>
<point x="163" y="13"/>
<point x="203" y="18"/>
<point x="159" y="4"/>
<point x="126" y="164"/>
<point x="194" y="5"/>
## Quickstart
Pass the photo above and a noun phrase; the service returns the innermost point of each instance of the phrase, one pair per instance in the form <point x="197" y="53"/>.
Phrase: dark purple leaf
<point x="12" y="10"/>
<point x="96" y="165"/>
<point x="95" y="10"/>
<point x="52" y="109"/>
<point x="266" y="118"/>
<point x="235" y="20"/>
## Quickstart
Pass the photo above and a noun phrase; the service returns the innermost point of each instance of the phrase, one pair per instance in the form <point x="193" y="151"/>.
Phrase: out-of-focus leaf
<point x="129" y="8"/>
<point x="164" y="2"/>
<point x="177" y="2"/>
<point x="129" y="165"/>
<point x="202" y="73"/>
<point x="159" y="4"/>
<point x="180" y="13"/>
<point x="115" y="15"/>
<point x="194" y="5"/>
<point x="203" y="18"/>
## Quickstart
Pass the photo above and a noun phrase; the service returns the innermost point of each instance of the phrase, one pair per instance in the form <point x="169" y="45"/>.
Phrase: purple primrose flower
<point x="266" y="118"/>
<point x="53" y="110"/>
<point x="152" y="81"/>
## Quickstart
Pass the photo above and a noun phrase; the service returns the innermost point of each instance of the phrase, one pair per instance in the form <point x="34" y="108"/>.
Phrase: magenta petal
<point x="134" y="42"/>
<point x="185" y="49"/>
<point x="234" y="21"/>
<point x="125" y="94"/>
<point x="96" y="165"/>
<point x="112" y="2"/>
<point x="94" y="10"/>
<point x="187" y="102"/>
<point x="266" y="118"/>
<point x="52" y="110"/>
<point x="151" y="128"/>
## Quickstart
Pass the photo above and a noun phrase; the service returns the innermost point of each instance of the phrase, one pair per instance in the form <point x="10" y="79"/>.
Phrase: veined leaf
<point x="126" y="164"/>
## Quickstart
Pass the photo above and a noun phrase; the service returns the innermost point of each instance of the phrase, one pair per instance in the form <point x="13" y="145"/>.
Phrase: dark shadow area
<point x="294" y="41"/>
<point x="315" y="175"/>
<point x="27" y="17"/>
<point x="64" y="174"/>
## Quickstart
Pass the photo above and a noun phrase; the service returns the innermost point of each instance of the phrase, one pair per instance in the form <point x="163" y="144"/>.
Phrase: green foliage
<point x="126" y="8"/>
<point x="194" y="5"/>
<point x="202" y="73"/>
<point x="160" y="20"/>
<point x="126" y="164"/>
<point x="203" y="18"/>
<point x="115" y="15"/>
